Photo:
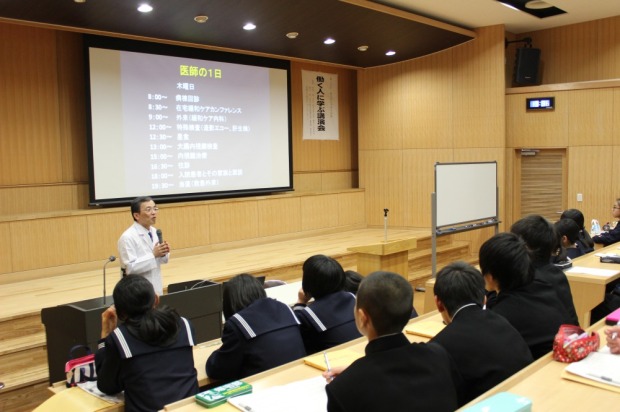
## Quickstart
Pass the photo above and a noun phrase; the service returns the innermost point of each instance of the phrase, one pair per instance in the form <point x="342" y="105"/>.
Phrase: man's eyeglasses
<point x="151" y="209"/>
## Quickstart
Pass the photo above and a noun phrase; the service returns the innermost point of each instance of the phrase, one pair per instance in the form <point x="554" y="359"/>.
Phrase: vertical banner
<point x="320" y="105"/>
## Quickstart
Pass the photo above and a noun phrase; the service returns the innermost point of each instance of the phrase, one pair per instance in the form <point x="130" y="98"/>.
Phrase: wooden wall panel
<point x="609" y="48"/>
<point x="478" y="90"/>
<point x="319" y="212"/>
<point x="339" y="180"/>
<point x="307" y="182"/>
<point x="537" y="129"/>
<point x="279" y="216"/>
<point x="427" y="113"/>
<point x="579" y="52"/>
<point x="590" y="117"/>
<point x="352" y="209"/>
<point x="25" y="200"/>
<point x="29" y="120"/>
<point x="590" y="171"/>
<point x="419" y="183"/>
<point x="6" y="258"/>
<point x="185" y="226"/>
<point x="616" y="117"/>
<point x="315" y="155"/>
<point x="233" y="221"/>
<point x="50" y="242"/>
<point x="383" y="182"/>
<point x="72" y="103"/>
<point x="380" y="102"/>
<point x="104" y="230"/>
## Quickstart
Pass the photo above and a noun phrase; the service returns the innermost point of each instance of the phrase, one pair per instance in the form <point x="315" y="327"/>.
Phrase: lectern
<point x="391" y="256"/>
<point x="79" y="323"/>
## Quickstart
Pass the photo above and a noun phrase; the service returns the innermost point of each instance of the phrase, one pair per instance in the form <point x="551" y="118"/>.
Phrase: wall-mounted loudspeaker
<point x="526" y="66"/>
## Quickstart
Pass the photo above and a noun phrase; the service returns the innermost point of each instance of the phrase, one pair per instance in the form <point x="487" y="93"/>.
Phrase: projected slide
<point x="170" y="126"/>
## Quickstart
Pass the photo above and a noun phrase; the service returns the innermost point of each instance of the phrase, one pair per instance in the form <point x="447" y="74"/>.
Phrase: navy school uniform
<point x="396" y="376"/>
<point x="151" y="376"/>
<point x="261" y="336"/>
<point x="328" y="321"/>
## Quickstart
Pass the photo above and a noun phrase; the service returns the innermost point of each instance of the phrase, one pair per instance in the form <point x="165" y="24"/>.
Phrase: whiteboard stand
<point x="471" y="186"/>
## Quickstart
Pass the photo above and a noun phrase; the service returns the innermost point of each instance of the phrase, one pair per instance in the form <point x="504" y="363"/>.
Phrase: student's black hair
<point x="322" y="275"/>
<point x="240" y="292"/>
<point x="352" y="281"/>
<point x="459" y="284"/>
<point x="539" y="235"/>
<point x="568" y="228"/>
<point x="387" y="298"/>
<point x="134" y="300"/>
<point x="577" y="216"/>
<point x="505" y="256"/>
<point x="137" y="203"/>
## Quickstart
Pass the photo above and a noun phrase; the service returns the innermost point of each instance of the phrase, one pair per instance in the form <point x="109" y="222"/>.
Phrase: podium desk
<point x="588" y="290"/>
<point x="392" y="256"/>
<point x="291" y="372"/>
<point x="542" y="384"/>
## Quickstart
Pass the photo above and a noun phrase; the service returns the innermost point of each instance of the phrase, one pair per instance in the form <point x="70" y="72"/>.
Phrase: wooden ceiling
<point x="352" y="23"/>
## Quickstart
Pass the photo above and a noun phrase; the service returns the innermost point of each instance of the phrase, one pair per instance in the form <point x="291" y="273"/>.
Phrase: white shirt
<point x="135" y="250"/>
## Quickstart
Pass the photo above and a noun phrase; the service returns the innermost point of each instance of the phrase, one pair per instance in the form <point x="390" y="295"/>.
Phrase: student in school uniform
<point x="395" y="375"/>
<point x="145" y="350"/>
<point x="328" y="320"/>
<point x="485" y="347"/>
<point x="568" y="234"/>
<point x="584" y="240"/>
<point x="260" y="333"/>
<point x="613" y="236"/>
<point x="532" y="308"/>
<point x="542" y="241"/>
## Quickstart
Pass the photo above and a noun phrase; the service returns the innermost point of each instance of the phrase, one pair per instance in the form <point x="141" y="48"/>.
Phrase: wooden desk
<point x="542" y="384"/>
<point x="293" y="371"/>
<point x="589" y="290"/>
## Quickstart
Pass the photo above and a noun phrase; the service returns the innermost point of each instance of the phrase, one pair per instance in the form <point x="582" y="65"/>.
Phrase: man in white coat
<point x="139" y="247"/>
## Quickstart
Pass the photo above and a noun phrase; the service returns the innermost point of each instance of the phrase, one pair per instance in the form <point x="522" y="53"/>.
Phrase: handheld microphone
<point x="110" y="259"/>
<point x="160" y="237"/>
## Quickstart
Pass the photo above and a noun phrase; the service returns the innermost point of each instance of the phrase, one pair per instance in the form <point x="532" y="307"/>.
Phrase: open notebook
<point x="597" y="369"/>
<point x="307" y="395"/>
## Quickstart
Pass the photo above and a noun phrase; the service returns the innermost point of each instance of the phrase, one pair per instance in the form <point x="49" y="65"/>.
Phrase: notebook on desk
<point x="342" y="357"/>
<point x="426" y="329"/>
<point x="597" y="369"/>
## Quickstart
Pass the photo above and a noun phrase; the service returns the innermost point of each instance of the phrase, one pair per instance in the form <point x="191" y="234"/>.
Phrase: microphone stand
<point x="110" y="259"/>
<point x="385" y="223"/>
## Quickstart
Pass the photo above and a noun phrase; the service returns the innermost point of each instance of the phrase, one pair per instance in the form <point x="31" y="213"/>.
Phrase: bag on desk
<point x="572" y="344"/>
<point x="81" y="369"/>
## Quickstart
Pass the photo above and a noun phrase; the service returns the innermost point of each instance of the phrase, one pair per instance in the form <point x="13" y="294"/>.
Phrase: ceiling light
<point x="201" y="19"/>
<point x="510" y="6"/>
<point x="145" y="8"/>
<point x="80" y="1"/>
<point x="329" y="40"/>
<point x="537" y="5"/>
<point x="390" y="53"/>
<point x="249" y="26"/>
<point x="292" y="35"/>
<point x="362" y="48"/>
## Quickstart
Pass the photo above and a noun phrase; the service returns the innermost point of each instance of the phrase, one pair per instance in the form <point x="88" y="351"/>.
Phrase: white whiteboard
<point x="465" y="192"/>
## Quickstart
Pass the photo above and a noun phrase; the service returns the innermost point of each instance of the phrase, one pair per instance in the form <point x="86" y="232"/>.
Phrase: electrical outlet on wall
<point x="580" y="197"/>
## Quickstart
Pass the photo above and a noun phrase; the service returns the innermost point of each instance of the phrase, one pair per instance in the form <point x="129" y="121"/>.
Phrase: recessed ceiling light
<point x="537" y="5"/>
<point x="292" y="35"/>
<point x="329" y="40"/>
<point x="80" y="1"/>
<point x="249" y="26"/>
<point x="390" y="53"/>
<point x="145" y="8"/>
<point x="362" y="48"/>
<point x="201" y="19"/>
